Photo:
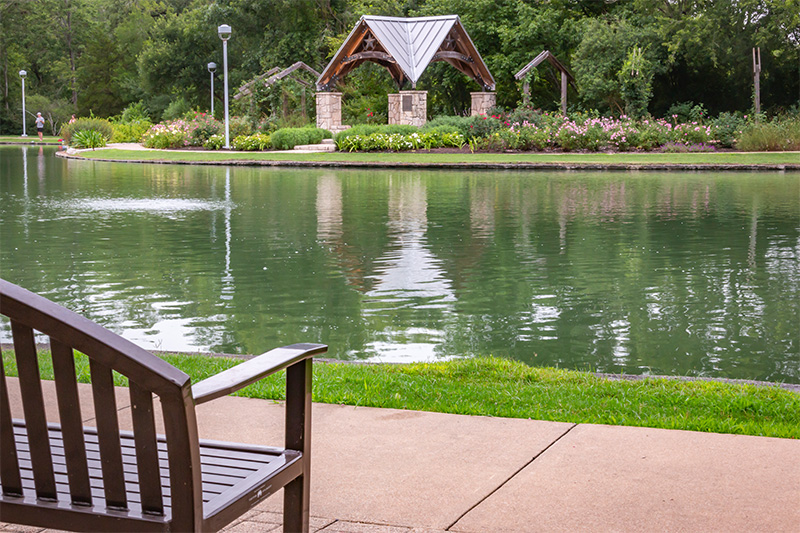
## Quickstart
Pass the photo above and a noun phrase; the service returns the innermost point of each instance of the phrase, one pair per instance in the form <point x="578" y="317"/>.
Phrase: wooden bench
<point x="67" y="476"/>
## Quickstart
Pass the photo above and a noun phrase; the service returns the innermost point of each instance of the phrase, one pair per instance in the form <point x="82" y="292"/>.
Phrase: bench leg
<point x="298" y="437"/>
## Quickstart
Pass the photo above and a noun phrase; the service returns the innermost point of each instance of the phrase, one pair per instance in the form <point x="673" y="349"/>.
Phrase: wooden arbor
<point x="276" y="74"/>
<point x="406" y="46"/>
<point x="566" y="77"/>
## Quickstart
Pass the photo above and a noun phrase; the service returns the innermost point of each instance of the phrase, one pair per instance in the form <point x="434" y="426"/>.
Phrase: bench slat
<point x="9" y="463"/>
<point x="146" y="449"/>
<point x="69" y="411"/>
<point x="105" y="408"/>
<point x="33" y="406"/>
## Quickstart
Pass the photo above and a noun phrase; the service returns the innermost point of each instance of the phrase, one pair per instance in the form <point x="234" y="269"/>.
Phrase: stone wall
<point x="408" y="107"/>
<point x="329" y="111"/>
<point x="482" y="102"/>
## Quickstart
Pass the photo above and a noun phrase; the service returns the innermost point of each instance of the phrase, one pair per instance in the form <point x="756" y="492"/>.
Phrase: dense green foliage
<point x="633" y="56"/>
<point x="505" y="388"/>
<point x="288" y="138"/>
<point x="130" y="132"/>
<point x="87" y="124"/>
<point x="252" y="143"/>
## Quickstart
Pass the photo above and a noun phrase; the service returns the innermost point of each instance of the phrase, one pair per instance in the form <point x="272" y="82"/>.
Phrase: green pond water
<point x="653" y="273"/>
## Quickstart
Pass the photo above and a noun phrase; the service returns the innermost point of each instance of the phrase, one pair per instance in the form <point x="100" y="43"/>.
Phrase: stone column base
<point x="482" y="102"/>
<point x="329" y="111"/>
<point x="408" y="107"/>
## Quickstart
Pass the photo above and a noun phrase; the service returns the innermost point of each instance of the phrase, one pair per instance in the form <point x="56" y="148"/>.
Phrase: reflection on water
<point x="695" y="274"/>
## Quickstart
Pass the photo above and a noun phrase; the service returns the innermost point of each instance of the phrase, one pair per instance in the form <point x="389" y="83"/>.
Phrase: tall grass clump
<point x="88" y="139"/>
<point x="774" y="136"/>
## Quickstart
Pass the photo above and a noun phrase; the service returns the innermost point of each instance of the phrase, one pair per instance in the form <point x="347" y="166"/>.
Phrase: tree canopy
<point x="640" y="56"/>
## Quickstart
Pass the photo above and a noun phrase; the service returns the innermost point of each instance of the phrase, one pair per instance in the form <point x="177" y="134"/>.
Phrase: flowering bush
<point x="256" y="142"/>
<point x="201" y="127"/>
<point x="596" y="133"/>
<point x="169" y="135"/>
<point x="215" y="142"/>
<point x="397" y="142"/>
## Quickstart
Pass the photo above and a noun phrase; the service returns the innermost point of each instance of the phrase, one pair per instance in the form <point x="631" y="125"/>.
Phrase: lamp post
<point x="212" y="67"/>
<point x="224" y="32"/>
<point x="22" y="75"/>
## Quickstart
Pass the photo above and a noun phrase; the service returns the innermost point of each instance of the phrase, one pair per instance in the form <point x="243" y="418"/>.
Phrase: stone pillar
<point x="482" y="102"/>
<point x="408" y="107"/>
<point x="329" y="111"/>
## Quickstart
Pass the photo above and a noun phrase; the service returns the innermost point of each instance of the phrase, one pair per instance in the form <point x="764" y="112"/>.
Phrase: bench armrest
<point x="259" y="367"/>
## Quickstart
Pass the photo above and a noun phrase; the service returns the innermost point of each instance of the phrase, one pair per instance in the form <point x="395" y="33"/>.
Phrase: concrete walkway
<point x="390" y="471"/>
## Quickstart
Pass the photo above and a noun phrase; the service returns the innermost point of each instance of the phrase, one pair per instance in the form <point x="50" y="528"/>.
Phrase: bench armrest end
<point x="253" y="370"/>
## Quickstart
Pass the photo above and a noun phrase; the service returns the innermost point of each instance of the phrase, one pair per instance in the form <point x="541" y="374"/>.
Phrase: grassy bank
<point x="624" y="158"/>
<point x="17" y="139"/>
<point x="502" y="388"/>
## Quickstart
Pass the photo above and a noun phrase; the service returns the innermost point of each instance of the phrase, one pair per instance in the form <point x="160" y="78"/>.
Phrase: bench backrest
<point x="107" y="353"/>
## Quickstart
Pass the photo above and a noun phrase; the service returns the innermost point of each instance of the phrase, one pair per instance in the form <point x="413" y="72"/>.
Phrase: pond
<point x="652" y="273"/>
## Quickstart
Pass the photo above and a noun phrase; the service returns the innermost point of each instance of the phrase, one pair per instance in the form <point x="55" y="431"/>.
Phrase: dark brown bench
<point x="67" y="476"/>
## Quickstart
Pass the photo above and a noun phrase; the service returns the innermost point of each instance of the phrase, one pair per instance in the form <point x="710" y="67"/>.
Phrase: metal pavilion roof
<point x="406" y="46"/>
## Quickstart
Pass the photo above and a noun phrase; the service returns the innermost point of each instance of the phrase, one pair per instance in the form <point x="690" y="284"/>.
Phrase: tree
<point x="599" y="64"/>
<point x="55" y="112"/>
<point x="636" y="83"/>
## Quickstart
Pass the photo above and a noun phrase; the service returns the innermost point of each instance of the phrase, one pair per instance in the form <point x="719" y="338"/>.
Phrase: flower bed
<point x="182" y="132"/>
<point x="397" y="142"/>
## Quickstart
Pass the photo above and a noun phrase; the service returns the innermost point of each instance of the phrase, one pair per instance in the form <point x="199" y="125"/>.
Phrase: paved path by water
<point x="392" y="471"/>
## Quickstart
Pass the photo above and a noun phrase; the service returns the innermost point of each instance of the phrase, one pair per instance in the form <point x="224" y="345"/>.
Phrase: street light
<point x="22" y="75"/>
<point x="224" y="32"/>
<point x="212" y="67"/>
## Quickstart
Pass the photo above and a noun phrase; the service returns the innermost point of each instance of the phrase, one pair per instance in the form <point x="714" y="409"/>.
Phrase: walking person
<point x="40" y="126"/>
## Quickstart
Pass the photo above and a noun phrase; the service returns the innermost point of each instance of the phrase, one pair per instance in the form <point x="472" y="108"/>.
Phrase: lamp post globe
<point x="22" y="75"/>
<point x="224" y="32"/>
<point x="212" y="67"/>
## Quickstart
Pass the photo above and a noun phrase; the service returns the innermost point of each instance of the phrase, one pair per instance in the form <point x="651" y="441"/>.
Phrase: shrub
<point x="215" y="142"/>
<point x="86" y="123"/>
<point x="176" y="109"/>
<point x="201" y="126"/>
<point x="256" y="142"/>
<point x="288" y="138"/>
<point x="168" y="135"/>
<point x="686" y="112"/>
<point x="728" y="127"/>
<point x="130" y="132"/>
<point x="449" y="123"/>
<point x="364" y="130"/>
<point x="238" y="126"/>
<point x="88" y="139"/>
<point x="136" y="112"/>
<point x="482" y="126"/>
<point x="398" y="142"/>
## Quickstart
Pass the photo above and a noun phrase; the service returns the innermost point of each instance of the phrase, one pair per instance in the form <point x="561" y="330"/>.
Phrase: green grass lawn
<point x="723" y="158"/>
<point x="503" y="388"/>
<point x="32" y="137"/>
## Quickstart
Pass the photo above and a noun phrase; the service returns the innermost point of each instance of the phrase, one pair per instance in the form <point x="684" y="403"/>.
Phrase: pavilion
<point x="405" y="47"/>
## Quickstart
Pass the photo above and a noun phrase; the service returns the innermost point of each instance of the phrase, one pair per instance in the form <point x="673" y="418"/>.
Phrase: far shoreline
<point x="767" y="161"/>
